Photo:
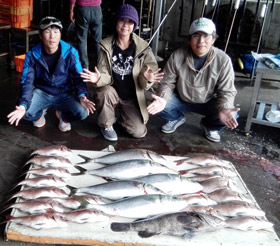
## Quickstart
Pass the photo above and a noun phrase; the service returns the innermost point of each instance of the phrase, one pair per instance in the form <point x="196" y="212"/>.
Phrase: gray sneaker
<point x="109" y="133"/>
<point x="172" y="125"/>
<point x="213" y="136"/>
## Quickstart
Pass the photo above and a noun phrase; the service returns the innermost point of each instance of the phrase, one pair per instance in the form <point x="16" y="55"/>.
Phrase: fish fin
<point x="72" y="189"/>
<point x="81" y="169"/>
<point x="145" y="234"/>
<point x="115" y="226"/>
<point x="184" y="219"/>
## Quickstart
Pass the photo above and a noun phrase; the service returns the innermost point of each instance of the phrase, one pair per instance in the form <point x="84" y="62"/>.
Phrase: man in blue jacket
<point x="51" y="79"/>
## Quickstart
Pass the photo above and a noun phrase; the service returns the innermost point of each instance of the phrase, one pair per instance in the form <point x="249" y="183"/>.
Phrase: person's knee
<point x="140" y="132"/>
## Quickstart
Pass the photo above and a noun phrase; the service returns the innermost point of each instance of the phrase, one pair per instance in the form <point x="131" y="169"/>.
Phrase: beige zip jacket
<point x="139" y="67"/>
<point x="215" y="78"/>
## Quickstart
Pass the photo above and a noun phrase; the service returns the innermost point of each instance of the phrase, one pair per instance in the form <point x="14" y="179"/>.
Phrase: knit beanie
<point x="129" y="12"/>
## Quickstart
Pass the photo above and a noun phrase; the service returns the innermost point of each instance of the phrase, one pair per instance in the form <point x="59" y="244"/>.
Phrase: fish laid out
<point x="247" y="223"/>
<point x="40" y="221"/>
<point x="37" y="206"/>
<point x="228" y="209"/>
<point x="43" y="182"/>
<point x="81" y="201"/>
<point x="172" y="184"/>
<point x="199" y="199"/>
<point x="49" y="161"/>
<point x="51" y="171"/>
<point x="126" y="155"/>
<point x="85" y="216"/>
<point x="219" y="170"/>
<point x="36" y="193"/>
<point x="211" y="185"/>
<point x="202" y="160"/>
<point x="116" y="190"/>
<point x="130" y="169"/>
<point x="176" y="224"/>
<point x="143" y="206"/>
<point x="223" y="195"/>
<point x="54" y="150"/>
<point x="137" y="184"/>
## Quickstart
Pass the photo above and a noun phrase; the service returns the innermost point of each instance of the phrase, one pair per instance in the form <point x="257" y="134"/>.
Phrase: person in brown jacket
<point x="198" y="78"/>
<point x="126" y="68"/>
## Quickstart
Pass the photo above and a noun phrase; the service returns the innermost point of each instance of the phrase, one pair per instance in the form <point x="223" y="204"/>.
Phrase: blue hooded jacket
<point x="66" y="76"/>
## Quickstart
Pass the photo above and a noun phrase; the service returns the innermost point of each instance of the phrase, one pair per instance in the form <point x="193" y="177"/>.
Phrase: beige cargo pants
<point x="107" y="100"/>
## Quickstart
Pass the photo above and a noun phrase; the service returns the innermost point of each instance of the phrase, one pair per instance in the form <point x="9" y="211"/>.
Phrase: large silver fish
<point x="130" y="169"/>
<point x="125" y="155"/>
<point x="54" y="150"/>
<point x="116" y="190"/>
<point x="223" y="195"/>
<point x="175" y="224"/>
<point x="43" y="181"/>
<point x="49" y="171"/>
<point x="40" y="221"/>
<point x="229" y="209"/>
<point x="143" y="206"/>
<point x="35" y="193"/>
<point x="49" y="161"/>
<point x="202" y="160"/>
<point x="214" y="170"/>
<point x="37" y="206"/>
<point x="172" y="184"/>
<point x="85" y="216"/>
<point x="248" y="223"/>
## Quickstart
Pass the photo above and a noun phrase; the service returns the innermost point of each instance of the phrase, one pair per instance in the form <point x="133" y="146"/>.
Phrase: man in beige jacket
<point x="198" y="78"/>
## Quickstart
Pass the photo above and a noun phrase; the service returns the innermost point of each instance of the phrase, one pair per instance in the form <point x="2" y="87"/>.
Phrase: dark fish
<point x="175" y="224"/>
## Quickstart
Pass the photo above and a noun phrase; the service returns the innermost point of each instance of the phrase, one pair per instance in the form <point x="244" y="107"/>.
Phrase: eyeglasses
<point x="49" y="21"/>
<point x="198" y="36"/>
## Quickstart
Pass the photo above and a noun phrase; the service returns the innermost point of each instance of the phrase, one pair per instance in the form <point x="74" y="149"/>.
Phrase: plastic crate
<point x="21" y="18"/>
<point x="19" y="60"/>
<point x="20" y="3"/>
<point x="22" y="24"/>
<point x="8" y="2"/>
<point x="27" y="10"/>
<point x="5" y="9"/>
<point x="5" y="21"/>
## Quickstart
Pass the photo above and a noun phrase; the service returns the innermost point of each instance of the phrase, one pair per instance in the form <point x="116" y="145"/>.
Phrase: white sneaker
<point x="213" y="136"/>
<point x="109" y="133"/>
<point x="172" y="125"/>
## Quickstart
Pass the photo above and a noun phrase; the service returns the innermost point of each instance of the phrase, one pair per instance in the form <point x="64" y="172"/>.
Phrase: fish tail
<point x="81" y="169"/>
<point x="86" y="160"/>
<point x="73" y="190"/>
<point x="115" y="226"/>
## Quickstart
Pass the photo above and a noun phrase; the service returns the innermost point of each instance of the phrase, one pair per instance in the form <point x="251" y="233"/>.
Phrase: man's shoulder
<point x="220" y="53"/>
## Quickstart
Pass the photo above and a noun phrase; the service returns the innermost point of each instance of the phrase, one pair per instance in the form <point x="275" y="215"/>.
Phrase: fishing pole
<point x="203" y="8"/>
<point x="160" y="24"/>
<point x="214" y="5"/>
<point x="236" y="6"/>
<point x="262" y="15"/>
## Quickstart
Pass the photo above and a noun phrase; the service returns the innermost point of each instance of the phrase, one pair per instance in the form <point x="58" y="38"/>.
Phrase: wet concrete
<point x="256" y="157"/>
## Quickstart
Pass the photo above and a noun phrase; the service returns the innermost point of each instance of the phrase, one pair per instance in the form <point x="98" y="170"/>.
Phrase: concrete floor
<point x="256" y="157"/>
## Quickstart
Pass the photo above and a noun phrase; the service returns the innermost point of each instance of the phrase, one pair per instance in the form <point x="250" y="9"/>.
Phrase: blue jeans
<point x="88" y="19"/>
<point x="175" y="109"/>
<point x="66" y="103"/>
